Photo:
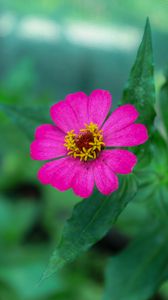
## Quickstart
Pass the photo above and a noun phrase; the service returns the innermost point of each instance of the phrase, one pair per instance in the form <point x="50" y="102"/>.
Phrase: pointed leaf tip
<point x="91" y="219"/>
<point x="140" y="88"/>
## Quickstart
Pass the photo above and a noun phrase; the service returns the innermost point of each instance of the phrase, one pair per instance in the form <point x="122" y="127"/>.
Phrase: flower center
<point x="87" y="144"/>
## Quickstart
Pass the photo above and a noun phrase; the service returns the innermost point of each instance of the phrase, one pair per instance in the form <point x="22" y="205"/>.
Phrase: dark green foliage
<point x="140" y="89"/>
<point x="163" y="104"/>
<point x="90" y="221"/>
<point x="137" y="272"/>
<point x="27" y="118"/>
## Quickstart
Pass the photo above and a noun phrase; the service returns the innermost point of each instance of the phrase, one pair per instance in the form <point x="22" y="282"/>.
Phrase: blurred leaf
<point x="21" y="271"/>
<point x="133" y="217"/>
<point x="27" y="118"/>
<point x="20" y="78"/>
<point x="140" y="89"/>
<point x="7" y="293"/>
<point x="90" y="221"/>
<point x="153" y="178"/>
<point x="16" y="218"/>
<point x="163" y="104"/>
<point x="138" y="271"/>
<point x="164" y="290"/>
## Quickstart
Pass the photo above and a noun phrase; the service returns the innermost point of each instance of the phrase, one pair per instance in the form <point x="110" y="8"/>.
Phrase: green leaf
<point x="138" y="271"/>
<point x="20" y="271"/>
<point x="140" y="88"/>
<point x="27" y="118"/>
<point x="16" y="218"/>
<point x="163" y="104"/>
<point x="153" y="177"/>
<point x="90" y="221"/>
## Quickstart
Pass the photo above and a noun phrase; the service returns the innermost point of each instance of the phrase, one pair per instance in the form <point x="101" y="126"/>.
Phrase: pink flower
<point x="77" y="144"/>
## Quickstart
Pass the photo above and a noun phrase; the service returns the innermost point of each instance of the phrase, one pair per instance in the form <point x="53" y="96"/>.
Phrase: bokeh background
<point x="49" y="48"/>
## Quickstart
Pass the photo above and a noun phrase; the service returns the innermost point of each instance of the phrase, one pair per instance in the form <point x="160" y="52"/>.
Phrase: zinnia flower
<point x="78" y="143"/>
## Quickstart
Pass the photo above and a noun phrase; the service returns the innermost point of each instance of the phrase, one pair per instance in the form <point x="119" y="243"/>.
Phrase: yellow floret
<point x="83" y="153"/>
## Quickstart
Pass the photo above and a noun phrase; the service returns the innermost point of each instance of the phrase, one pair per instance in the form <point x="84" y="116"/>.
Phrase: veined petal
<point x="51" y="132"/>
<point x="47" y="149"/>
<point x="132" y="135"/>
<point x="119" y="161"/>
<point x="83" y="181"/>
<point x="105" y="178"/>
<point x="99" y="105"/>
<point x="58" y="173"/>
<point x="79" y="104"/>
<point x="120" y="118"/>
<point x="64" y="117"/>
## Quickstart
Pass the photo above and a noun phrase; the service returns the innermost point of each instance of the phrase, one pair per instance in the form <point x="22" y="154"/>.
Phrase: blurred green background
<point x="49" y="48"/>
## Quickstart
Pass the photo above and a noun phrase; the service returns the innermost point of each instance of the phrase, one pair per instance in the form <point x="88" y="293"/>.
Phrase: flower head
<point x="86" y="144"/>
<point x="79" y="143"/>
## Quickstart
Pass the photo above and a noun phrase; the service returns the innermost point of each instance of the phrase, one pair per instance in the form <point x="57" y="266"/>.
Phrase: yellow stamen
<point x="87" y="144"/>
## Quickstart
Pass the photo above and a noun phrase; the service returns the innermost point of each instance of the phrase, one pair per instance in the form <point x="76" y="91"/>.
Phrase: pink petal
<point x="120" y="118"/>
<point x="99" y="105"/>
<point x="46" y="172"/>
<point x="106" y="180"/>
<point x="58" y="173"/>
<point x="47" y="149"/>
<point x="83" y="181"/>
<point x="120" y="161"/>
<point x="133" y="135"/>
<point x="79" y="103"/>
<point x="64" y="117"/>
<point x="51" y="132"/>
